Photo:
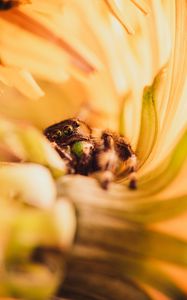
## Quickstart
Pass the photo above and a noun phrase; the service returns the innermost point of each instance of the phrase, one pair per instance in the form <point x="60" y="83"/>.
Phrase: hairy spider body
<point x="9" y="4"/>
<point x="86" y="154"/>
<point x="5" y="5"/>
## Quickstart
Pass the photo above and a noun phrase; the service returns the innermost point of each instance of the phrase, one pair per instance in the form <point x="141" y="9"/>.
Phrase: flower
<point x="115" y="67"/>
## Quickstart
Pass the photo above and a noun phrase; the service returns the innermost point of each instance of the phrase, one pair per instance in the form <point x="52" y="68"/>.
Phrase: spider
<point x="8" y="4"/>
<point x="84" y="153"/>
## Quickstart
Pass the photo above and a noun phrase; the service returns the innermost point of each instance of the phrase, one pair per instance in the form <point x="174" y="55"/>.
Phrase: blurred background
<point x="118" y="64"/>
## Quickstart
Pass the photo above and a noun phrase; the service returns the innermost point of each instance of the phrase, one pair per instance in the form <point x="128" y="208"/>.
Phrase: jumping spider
<point x="86" y="154"/>
<point x="8" y="4"/>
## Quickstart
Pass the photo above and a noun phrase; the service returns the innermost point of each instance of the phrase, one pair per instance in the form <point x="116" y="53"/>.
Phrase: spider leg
<point x="127" y="155"/>
<point x="66" y="156"/>
<point x="132" y="165"/>
<point x="106" y="160"/>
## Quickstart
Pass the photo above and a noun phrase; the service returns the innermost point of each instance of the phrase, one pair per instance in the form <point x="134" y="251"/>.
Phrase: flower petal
<point x="41" y="34"/>
<point x="158" y="178"/>
<point x="149" y="124"/>
<point x="30" y="182"/>
<point x="30" y="145"/>
<point x="22" y="80"/>
<point x="109" y="244"/>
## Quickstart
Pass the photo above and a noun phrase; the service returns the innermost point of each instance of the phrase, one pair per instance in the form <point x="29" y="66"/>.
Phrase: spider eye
<point x="68" y="130"/>
<point x="57" y="133"/>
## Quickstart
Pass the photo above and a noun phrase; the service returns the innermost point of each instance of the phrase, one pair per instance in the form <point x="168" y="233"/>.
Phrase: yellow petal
<point x="30" y="183"/>
<point x="22" y="80"/>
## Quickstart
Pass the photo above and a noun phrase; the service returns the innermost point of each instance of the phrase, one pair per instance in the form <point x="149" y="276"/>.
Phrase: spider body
<point x="86" y="154"/>
<point x="9" y="4"/>
<point x="5" y="5"/>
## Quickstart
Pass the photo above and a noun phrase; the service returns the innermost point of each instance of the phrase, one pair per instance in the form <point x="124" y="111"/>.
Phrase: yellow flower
<point x="119" y="65"/>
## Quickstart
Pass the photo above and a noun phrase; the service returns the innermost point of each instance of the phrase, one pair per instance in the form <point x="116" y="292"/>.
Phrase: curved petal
<point x="31" y="183"/>
<point x="30" y="145"/>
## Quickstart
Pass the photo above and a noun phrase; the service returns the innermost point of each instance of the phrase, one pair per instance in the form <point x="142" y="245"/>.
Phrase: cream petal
<point x="30" y="183"/>
<point x="22" y="80"/>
